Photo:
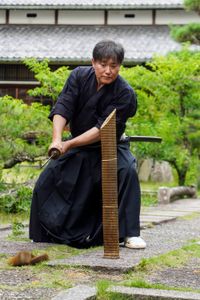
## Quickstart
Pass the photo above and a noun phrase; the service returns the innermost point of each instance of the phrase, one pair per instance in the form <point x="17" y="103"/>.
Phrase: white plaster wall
<point x="176" y="17"/>
<point x="121" y="17"/>
<point x="43" y="17"/>
<point x="81" y="17"/>
<point x="2" y="16"/>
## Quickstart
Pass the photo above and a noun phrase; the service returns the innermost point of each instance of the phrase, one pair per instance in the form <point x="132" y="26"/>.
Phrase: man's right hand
<point x="56" y="145"/>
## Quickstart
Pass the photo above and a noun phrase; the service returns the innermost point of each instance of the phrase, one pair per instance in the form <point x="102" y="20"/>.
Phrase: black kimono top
<point x="84" y="107"/>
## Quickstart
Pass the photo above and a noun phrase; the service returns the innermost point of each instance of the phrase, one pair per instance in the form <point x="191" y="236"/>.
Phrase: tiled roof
<point x="75" y="43"/>
<point x="92" y="4"/>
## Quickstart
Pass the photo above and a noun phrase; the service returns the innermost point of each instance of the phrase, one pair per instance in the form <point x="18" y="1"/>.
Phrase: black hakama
<point x="67" y="199"/>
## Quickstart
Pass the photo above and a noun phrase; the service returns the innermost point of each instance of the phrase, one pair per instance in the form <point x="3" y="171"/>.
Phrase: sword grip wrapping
<point x="54" y="153"/>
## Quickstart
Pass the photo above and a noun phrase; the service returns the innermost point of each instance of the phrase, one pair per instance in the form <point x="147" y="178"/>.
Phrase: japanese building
<point x="65" y="32"/>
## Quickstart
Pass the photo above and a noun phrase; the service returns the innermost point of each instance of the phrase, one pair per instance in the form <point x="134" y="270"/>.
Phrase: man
<point x="67" y="200"/>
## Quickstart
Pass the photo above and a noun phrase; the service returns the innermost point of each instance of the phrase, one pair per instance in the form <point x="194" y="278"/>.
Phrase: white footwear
<point x="135" y="242"/>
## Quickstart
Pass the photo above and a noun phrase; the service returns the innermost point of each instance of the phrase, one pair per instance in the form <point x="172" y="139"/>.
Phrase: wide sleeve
<point x="126" y="106"/>
<point x="66" y="102"/>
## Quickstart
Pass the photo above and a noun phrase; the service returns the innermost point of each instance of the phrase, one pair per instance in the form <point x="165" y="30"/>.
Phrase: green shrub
<point x="187" y="33"/>
<point x="17" y="229"/>
<point x="17" y="121"/>
<point x="16" y="202"/>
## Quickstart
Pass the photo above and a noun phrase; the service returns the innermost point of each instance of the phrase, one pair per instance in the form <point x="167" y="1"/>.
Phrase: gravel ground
<point x="12" y="247"/>
<point x="29" y="293"/>
<point x="184" y="277"/>
<point x="160" y="239"/>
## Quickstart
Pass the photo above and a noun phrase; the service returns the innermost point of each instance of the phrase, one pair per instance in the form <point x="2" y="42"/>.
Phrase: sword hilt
<point x="54" y="153"/>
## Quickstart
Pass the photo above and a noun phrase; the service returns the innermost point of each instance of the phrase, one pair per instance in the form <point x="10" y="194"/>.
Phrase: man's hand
<point x="63" y="147"/>
<point x="56" y="144"/>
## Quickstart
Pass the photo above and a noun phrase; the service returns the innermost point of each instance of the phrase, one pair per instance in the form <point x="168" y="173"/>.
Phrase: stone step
<point x="146" y="294"/>
<point x="86" y="292"/>
<point x="79" y="292"/>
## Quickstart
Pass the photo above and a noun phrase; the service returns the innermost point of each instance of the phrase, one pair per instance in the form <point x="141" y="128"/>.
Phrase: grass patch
<point x="103" y="293"/>
<point x="7" y="218"/>
<point x="18" y="233"/>
<point x="154" y="186"/>
<point x="144" y="284"/>
<point x="60" y="251"/>
<point x="102" y="289"/>
<point x="51" y="278"/>
<point x="149" y="200"/>
<point x="173" y="259"/>
<point x="191" y="216"/>
<point x="192" y="250"/>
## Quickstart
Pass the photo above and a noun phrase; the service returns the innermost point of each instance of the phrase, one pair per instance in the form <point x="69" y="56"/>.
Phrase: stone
<point x="150" y="294"/>
<point x="161" y="172"/>
<point x="155" y="171"/>
<point x="145" y="170"/>
<point x="80" y="292"/>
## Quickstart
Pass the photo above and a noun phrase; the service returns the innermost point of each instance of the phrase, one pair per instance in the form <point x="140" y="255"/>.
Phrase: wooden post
<point x="109" y="187"/>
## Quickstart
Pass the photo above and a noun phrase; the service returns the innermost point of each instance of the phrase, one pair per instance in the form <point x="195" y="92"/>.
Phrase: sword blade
<point x="46" y="162"/>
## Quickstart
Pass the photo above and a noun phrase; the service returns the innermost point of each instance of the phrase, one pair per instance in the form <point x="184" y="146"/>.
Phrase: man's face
<point x="106" y="70"/>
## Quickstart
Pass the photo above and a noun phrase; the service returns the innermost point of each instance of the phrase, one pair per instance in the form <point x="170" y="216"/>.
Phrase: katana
<point x="53" y="153"/>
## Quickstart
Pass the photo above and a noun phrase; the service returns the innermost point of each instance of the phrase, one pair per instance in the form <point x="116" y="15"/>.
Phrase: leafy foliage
<point x="16" y="202"/>
<point x="17" y="119"/>
<point x="169" y="106"/>
<point x="189" y="32"/>
<point x="17" y="229"/>
<point x="192" y="5"/>
<point x="51" y="82"/>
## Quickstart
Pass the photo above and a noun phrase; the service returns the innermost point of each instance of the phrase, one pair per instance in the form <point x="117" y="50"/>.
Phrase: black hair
<point x="107" y="49"/>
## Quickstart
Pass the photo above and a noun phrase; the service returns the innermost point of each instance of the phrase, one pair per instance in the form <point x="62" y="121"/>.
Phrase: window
<point x="130" y="17"/>
<point x="19" y="16"/>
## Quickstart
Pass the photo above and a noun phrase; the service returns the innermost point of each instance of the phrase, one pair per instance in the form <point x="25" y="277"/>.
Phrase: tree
<point x="192" y="5"/>
<point x="169" y="106"/>
<point x="189" y="32"/>
<point x="51" y="81"/>
<point x="25" y="131"/>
